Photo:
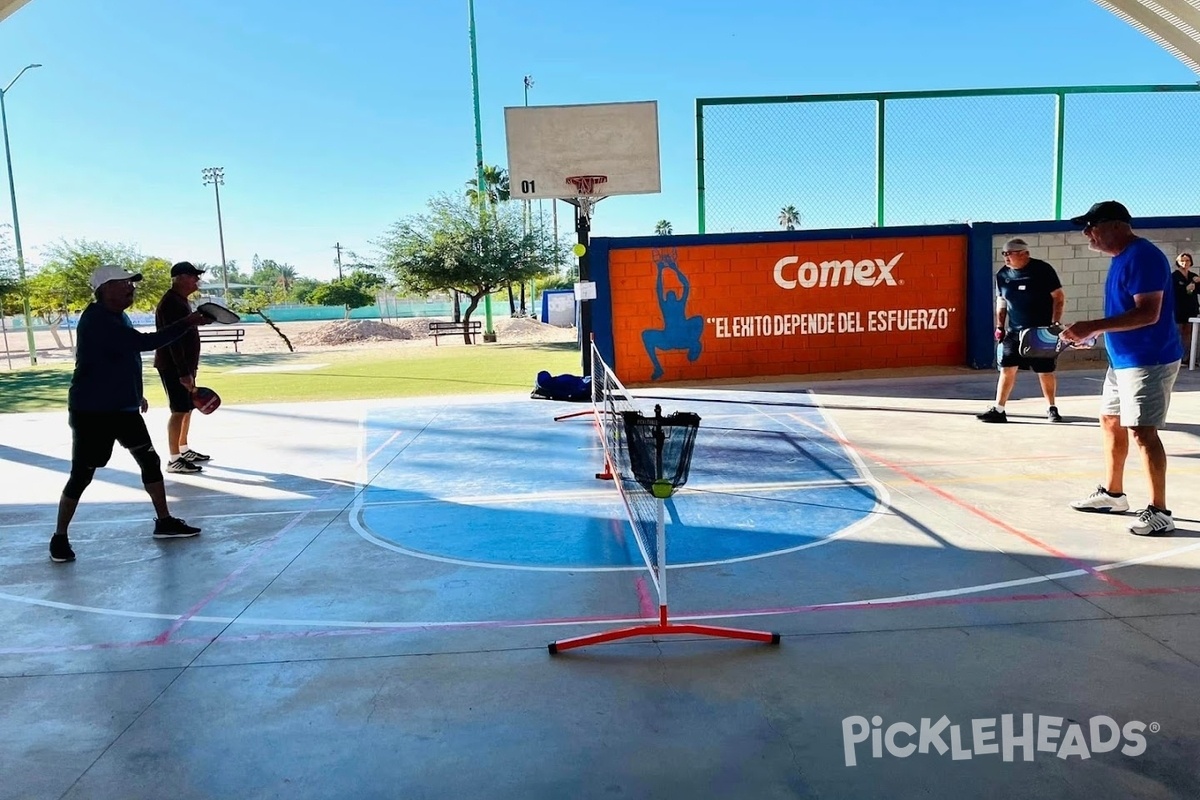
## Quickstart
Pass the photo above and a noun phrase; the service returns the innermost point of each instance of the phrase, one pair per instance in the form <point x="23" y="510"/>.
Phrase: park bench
<point x="438" y="328"/>
<point x="217" y="335"/>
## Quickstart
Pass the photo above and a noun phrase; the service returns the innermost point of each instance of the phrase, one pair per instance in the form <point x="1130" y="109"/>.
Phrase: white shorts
<point x="1140" y="396"/>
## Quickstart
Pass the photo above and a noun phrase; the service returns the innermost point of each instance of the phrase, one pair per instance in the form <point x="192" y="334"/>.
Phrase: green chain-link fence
<point x="915" y="158"/>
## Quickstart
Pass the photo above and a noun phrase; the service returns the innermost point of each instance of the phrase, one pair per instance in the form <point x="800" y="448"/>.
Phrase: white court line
<point x="327" y="623"/>
<point x="604" y="495"/>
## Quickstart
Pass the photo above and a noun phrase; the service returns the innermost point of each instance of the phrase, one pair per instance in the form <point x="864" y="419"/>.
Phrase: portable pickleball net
<point x="647" y="458"/>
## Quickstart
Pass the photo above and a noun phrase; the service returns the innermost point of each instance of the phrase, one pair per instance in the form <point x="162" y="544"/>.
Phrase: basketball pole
<point x="583" y="228"/>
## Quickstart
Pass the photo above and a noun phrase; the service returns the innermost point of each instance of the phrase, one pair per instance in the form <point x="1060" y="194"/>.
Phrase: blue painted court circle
<point x="444" y="484"/>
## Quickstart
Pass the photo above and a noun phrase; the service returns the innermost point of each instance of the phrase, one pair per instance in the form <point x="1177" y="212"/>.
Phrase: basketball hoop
<point x="585" y="192"/>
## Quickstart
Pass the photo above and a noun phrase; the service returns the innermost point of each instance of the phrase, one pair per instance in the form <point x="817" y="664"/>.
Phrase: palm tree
<point x="663" y="228"/>
<point x="287" y="275"/>
<point x="496" y="179"/>
<point x="789" y="217"/>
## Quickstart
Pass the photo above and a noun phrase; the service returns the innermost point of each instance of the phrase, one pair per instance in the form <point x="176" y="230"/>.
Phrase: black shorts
<point x="93" y="434"/>
<point x="179" y="399"/>
<point x="1010" y="356"/>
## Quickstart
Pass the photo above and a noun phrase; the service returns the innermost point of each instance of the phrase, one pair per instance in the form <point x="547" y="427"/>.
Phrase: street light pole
<point x="481" y="184"/>
<point x="12" y="191"/>
<point x="216" y="176"/>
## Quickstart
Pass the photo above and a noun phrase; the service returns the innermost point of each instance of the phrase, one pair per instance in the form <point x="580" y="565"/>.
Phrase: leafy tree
<point x="10" y="286"/>
<point x="215" y="274"/>
<point x="345" y="292"/>
<point x="268" y="272"/>
<point x="789" y="217"/>
<point x="459" y="247"/>
<point x="302" y="289"/>
<point x="367" y="279"/>
<point x="498" y="190"/>
<point x="663" y="228"/>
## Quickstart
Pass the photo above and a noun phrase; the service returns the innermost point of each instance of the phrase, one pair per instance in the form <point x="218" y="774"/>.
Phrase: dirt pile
<point x="350" y="331"/>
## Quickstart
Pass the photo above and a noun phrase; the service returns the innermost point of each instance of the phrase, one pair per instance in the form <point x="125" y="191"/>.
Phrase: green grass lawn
<point x="291" y="377"/>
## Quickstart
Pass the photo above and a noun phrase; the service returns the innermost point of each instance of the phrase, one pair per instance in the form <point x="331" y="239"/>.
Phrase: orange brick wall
<point x="911" y="313"/>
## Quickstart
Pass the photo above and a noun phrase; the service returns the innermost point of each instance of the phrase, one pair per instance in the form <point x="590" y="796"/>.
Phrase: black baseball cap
<point x="185" y="268"/>
<point x="1104" y="211"/>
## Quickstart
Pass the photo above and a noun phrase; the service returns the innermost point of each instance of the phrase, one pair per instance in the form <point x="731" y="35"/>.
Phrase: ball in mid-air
<point x="579" y="250"/>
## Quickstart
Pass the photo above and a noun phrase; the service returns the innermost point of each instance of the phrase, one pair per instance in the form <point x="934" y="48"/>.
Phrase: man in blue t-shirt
<point x="1143" y="353"/>
<point x="1029" y="294"/>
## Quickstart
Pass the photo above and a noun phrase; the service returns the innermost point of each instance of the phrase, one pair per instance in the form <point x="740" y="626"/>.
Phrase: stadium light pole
<point x="481" y="184"/>
<point x="12" y="191"/>
<point x="216" y="176"/>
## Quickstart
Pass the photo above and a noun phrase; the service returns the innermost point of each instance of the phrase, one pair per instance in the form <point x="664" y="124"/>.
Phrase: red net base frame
<point x="663" y="628"/>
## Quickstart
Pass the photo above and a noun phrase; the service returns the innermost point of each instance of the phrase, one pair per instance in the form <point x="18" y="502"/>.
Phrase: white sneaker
<point x="1101" y="500"/>
<point x="1152" y="521"/>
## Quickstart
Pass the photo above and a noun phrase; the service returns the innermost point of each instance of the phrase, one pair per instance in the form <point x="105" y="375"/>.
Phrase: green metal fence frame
<point x="880" y="99"/>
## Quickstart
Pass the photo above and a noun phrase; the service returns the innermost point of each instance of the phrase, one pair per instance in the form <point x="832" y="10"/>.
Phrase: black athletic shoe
<point x="191" y="456"/>
<point x="1053" y="415"/>
<point x="173" y="528"/>
<point x="60" y="549"/>
<point x="993" y="414"/>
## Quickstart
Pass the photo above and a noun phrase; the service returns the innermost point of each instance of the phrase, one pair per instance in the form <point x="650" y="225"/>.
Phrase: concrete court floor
<point x="292" y="652"/>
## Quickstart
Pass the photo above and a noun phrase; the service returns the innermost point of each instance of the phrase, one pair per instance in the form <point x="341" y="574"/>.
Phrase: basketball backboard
<point x="548" y="144"/>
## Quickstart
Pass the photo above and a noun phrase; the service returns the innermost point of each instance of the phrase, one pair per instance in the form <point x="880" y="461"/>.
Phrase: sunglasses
<point x="1012" y="252"/>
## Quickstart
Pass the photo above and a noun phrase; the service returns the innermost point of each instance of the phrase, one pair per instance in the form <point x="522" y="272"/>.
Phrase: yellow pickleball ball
<point x="578" y="250"/>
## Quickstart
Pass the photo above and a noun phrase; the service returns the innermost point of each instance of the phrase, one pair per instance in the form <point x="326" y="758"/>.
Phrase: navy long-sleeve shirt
<point x="108" y="360"/>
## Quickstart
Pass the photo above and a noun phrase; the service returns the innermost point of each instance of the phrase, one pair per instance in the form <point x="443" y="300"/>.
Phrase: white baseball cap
<point x="111" y="272"/>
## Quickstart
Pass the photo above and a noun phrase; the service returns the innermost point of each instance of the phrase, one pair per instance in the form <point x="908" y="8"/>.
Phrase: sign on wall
<point x="742" y="310"/>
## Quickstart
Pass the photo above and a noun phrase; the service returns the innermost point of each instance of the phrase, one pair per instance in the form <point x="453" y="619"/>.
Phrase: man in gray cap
<point x="1029" y="294"/>
<point x="1143" y="354"/>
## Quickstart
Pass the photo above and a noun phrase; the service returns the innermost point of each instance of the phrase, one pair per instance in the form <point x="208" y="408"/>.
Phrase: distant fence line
<point x="914" y="158"/>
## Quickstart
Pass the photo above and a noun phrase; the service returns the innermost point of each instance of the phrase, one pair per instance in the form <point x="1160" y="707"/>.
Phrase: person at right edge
<point x="177" y="364"/>
<point x="1143" y="353"/>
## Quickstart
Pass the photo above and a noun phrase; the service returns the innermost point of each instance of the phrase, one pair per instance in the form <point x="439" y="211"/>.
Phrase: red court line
<point x="259" y="552"/>
<point x="864" y="605"/>
<point x="262" y="550"/>
<point x="999" y="523"/>
<point x="645" y="602"/>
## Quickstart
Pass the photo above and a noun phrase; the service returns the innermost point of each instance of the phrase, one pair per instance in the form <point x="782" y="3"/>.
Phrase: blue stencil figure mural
<point x="679" y="331"/>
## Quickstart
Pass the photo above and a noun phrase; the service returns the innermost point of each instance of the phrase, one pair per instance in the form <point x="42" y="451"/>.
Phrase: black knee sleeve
<point x="147" y="458"/>
<point x="80" y="477"/>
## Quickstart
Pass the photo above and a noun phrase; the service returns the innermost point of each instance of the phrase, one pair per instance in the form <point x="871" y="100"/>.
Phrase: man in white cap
<point x="1029" y="294"/>
<point x="105" y="402"/>
<point x="1143" y="354"/>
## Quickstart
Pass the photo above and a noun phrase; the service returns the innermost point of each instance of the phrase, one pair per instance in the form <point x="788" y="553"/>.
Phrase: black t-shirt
<point x="1026" y="293"/>
<point x="1185" y="301"/>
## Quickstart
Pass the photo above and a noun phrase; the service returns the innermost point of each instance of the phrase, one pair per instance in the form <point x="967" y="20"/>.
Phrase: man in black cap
<point x="1143" y="353"/>
<point x="177" y="364"/>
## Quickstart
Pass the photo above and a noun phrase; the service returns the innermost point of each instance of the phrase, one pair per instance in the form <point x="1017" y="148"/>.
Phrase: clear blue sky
<point x="333" y="120"/>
